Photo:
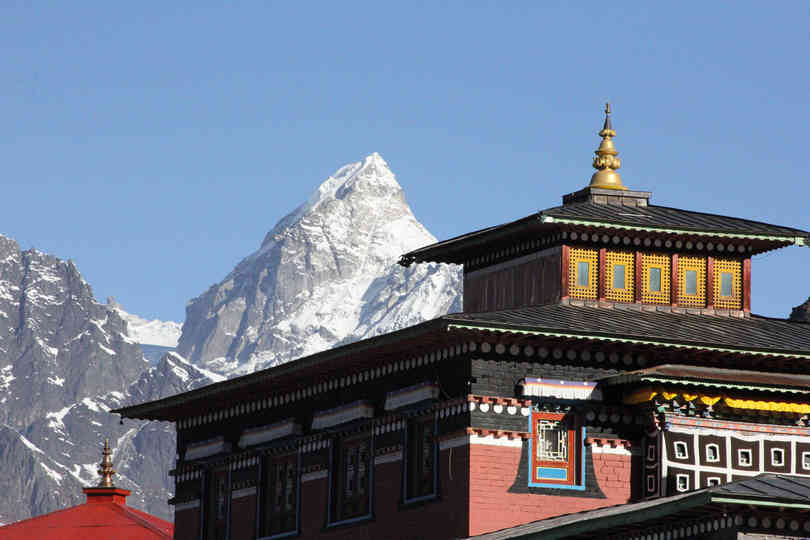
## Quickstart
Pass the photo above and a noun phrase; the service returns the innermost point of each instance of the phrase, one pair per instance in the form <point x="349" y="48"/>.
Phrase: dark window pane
<point x="655" y="280"/>
<point x="726" y="284"/>
<point x="691" y="282"/>
<point x="618" y="276"/>
<point x="583" y="271"/>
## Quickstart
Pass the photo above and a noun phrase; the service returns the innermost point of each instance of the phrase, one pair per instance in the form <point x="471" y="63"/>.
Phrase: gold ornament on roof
<point x="607" y="161"/>
<point x="105" y="467"/>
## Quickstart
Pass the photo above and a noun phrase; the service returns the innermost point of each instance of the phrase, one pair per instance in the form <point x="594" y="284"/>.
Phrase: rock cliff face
<point x="324" y="275"/>
<point x="801" y="312"/>
<point x="66" y="360"/>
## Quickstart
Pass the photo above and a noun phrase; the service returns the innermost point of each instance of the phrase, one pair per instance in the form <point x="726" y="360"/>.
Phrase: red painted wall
<point x="244" y="511"/>
<point x="439" y="519"/>
<point x="187" y="524"/>
<point x="492" y="473"/>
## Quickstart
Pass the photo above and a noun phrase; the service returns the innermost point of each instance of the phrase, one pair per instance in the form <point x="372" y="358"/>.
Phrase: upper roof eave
<point x="453" y="249"/>
<point x="713" y="376"/>
<point x="161" y="409"/>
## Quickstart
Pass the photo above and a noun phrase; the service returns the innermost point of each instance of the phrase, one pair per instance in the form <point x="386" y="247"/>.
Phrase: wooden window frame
<point x="415" y="451"/>
<point x="626" y="259"/>
<point x="699" y="266"/>
<point x="735" y="268"/>
<point x="269" y="488"/>
<point x="663" y="262"/>
<point x="339" y="511"/>
<point x="573" y="468"/>
<point x="579" y="255"/>
<point x="216" y="528"/>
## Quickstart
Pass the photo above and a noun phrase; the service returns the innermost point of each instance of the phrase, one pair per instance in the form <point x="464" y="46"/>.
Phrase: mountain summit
<point x="324" y="275"/>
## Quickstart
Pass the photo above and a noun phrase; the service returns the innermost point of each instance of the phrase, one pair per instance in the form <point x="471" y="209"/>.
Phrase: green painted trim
<point x="797" y="240"/>
<point x="621" y="339"/>
<point x="723" y="385"/>
<point x="754" y="502"/>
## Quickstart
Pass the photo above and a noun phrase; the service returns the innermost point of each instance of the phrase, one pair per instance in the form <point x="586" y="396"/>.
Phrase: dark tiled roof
<point x="765" y="488"/>
<point x="759" y="334"/>
<point x="650" y="217"/>
<point x="712" y="376"/>
<point x="662" y="217"/>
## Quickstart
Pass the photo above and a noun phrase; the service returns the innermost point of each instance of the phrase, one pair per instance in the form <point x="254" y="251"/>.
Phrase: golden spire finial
<point x="606" y="161"/>
<point x="105" y="467"/>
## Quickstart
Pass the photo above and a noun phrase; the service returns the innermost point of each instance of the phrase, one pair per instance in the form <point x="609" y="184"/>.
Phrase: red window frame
<point x="571" y="466"/>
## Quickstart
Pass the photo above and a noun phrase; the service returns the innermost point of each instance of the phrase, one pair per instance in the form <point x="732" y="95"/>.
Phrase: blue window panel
<point x="726" y="284"/>
<point x="691" y="282"/>
<point x="655" y="280"/>
<point x="550" y="473"/>
<point x="618" y="276"/>
<point x="583" y="273"/>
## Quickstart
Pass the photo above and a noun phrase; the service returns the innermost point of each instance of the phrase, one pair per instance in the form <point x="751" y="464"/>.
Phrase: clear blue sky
<point x="155" y="143"/>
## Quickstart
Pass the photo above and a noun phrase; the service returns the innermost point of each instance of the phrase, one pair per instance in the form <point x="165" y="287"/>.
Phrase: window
<point x="714" y="481"/>
<point x="651" y="452"/>
<point x="744" y="457"/>
<point x="650" y="483"/>
<point x="217" y="504"/>
<point x="420" y="469"/>
<point x="351" y="480"/>
<point x="619" y="284"/>
<point x="682" y="482"/>
<point x="806" y="460"/>
<point x="692" y="281"/>
<point x="712" y="453"/>
<point x="556" y="452"/>
<point x="777" y="457"/>
<point x="681" y="450"/>
<point x="727" y="284"/>
<point x="583" y="273"/>
<point x="655" y="278"/>
<point x="618" y="277"/>
<point x="280" y="495"/>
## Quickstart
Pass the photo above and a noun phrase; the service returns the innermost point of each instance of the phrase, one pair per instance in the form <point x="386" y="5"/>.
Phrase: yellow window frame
<point x="649" y="261"/>
<point x="576" y="256"/>
<point x="612" y="258"/>
<point x="733" y="267"/>
<point x="697" y="264"/>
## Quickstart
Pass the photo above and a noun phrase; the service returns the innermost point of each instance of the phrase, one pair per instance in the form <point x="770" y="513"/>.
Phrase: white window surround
<point x="714" y="481"/>
<point x="777" y="456"/>
<point x="650" y="482"/>
<point x="745" y="457"/>
<point x="712" y="458"/>
<point x="806" y="460"/>
<point x="682" y="482"/>
<point x="651" y="452"/>
<point x="681" y="450"/>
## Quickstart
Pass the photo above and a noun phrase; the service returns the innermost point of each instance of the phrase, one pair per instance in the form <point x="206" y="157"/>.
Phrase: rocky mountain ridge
<point x="67" y="360"/>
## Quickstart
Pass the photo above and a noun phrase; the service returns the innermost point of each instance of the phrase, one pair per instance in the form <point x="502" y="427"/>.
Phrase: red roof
<point x="104" y="515"/>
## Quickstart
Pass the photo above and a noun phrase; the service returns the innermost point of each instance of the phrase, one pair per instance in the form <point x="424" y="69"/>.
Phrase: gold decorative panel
<point x="692" y="281"/>
<point x="655" y="280"/>
<point x="619" y="284"/>
<point x="583" y="272"/>
<point x="727" y="284"/>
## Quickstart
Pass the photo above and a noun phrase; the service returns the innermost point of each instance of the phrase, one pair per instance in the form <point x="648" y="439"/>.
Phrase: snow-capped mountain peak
<point x="324" y="274"/>
<point x="154" y="332"/>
